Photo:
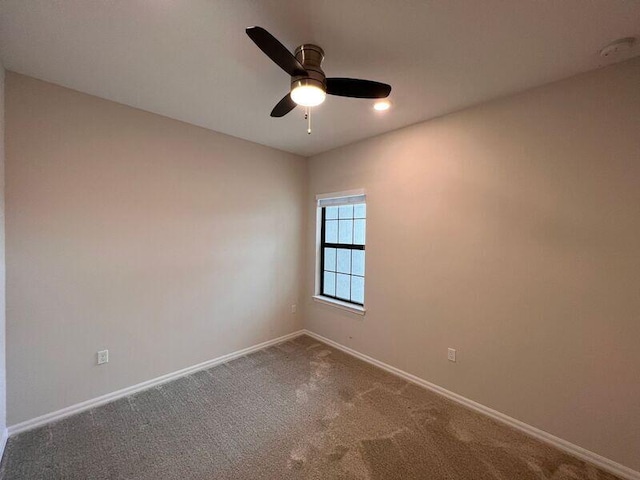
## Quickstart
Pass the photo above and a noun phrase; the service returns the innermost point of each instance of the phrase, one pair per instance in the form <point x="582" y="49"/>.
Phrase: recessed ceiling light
<point x="382" y="105"/>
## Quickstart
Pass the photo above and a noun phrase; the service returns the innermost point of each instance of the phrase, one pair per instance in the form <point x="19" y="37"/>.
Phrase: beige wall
<point x="510" y="232"/>
<point x="3" y="376"/>
<point x="165" y="243"/>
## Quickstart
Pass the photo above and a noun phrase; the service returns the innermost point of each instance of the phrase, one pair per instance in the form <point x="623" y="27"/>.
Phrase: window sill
<point x="349" y="307"/>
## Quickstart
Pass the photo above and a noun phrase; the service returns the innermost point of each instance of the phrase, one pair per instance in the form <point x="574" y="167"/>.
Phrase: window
<point x="342" y="248"/>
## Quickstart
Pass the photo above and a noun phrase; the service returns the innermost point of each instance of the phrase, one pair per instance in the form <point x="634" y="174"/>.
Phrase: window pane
<point x="331" y="231"/>
<point x="357" y="262"/>
<point x="359" y="231"/>
<point x="343" y="269"/>
<point x="344" y="260"/>
<point x="345" y="234"/>
<point x="331" y="213"/>
<point x="357" y="289"/>
<point x="346" y="211"/>
<point x="329" y="284"/>
<point x="343" y="286"/>
<point x="330" y="259"/>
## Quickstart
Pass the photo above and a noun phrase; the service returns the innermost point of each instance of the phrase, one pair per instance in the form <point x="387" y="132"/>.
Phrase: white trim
<point x="345" y="193"/>
<point x="3" y="441"/>
<point x="341" y="201"/>
<point x="575" y="450"/>
<point x="349" y="307"/>
<point x="110" y="397"/>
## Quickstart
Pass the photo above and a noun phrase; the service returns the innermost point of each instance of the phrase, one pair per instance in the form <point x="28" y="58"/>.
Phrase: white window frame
<point x="336" y="198"/>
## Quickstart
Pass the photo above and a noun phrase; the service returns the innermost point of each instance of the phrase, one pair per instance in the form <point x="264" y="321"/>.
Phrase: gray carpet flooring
<point x="298" y="410"/>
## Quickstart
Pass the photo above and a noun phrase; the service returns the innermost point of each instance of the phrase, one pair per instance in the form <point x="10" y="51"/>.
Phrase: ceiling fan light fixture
<point x="308" y="95"/>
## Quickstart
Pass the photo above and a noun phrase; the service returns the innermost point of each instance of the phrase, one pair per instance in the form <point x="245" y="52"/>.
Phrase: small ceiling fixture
<point x="618" y="47"/>
<point x="382" y="105"/>
<point x="309" y="85"/>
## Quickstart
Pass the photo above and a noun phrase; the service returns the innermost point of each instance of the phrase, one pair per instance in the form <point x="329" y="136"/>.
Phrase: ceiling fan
<point x="309" y="85"/>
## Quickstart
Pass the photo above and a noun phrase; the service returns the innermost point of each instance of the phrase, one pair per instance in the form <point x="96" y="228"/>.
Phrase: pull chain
<point x="307" y="117"/>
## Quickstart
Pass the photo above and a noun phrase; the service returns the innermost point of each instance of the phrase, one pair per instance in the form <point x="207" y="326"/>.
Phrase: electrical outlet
<point x="294" y="308"/>
<point x="103" y="357"/>
<point x="451" y="354"/>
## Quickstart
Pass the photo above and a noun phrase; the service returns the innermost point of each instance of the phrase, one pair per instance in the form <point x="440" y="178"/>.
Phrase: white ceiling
<point x="191" y="60"/>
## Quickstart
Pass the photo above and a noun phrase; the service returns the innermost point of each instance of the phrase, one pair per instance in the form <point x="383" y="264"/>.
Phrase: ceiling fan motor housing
<point x="310" y="56"/>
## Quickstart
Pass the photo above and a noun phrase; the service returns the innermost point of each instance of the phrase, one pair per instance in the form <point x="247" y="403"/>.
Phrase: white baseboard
<point x="110" y="397"/>
<point x="575" y="450"/>
<point x="3" y="441"/>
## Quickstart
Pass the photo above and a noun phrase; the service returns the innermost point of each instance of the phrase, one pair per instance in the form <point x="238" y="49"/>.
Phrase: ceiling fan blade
<point x="353" y="87"/>
<point x="276" y="51"/>
<point x="284" y="106"/>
